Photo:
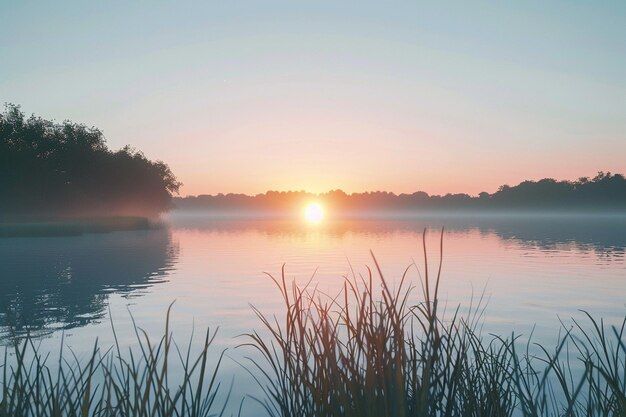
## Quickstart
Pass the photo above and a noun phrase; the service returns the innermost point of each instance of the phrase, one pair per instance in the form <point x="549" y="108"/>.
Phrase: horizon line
<point x="599" y="175"/>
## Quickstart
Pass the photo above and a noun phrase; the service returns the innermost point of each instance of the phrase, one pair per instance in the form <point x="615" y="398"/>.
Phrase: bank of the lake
<point x="34" y="227"/>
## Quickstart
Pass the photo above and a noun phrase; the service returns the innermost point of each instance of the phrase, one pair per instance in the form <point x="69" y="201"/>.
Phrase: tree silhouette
<point x="53" y="169"/>
<point x="604" y="192"/>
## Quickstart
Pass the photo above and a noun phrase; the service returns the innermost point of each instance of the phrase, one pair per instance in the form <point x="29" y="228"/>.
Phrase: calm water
<point x="532" y="270"/>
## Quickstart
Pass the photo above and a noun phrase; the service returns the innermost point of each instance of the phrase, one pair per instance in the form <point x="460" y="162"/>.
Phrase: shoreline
<point x="49" y="227"/>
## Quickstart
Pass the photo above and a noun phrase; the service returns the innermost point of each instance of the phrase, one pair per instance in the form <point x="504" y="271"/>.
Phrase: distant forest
<point x="604" y="192"/>
<point x="66" y="169"/>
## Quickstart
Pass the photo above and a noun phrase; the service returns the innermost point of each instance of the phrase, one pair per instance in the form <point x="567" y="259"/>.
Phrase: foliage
<point x="49" y="168"/>
<point x="606" y="192"/>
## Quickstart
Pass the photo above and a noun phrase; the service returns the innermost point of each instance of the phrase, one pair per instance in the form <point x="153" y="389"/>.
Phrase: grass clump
<point x="110" y="384"/>
<point x="370" y="351"/>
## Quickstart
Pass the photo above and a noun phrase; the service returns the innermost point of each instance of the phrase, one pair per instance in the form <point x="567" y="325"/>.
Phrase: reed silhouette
<point x="112" y="383"/>
<point x="373" y="350"/>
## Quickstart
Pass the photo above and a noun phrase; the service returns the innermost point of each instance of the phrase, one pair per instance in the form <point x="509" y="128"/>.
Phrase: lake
<point x="533" y="272"/>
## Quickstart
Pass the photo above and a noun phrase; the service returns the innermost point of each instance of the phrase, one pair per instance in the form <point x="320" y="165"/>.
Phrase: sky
<point x="250" y="96"/>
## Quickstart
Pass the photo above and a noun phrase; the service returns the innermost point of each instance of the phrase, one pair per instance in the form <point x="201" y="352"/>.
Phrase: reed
<point x="371" y="351"/>
<point x="110" y="383"/>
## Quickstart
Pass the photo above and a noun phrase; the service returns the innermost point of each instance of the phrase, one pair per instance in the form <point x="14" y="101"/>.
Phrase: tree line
<point x="604" y="192"/>
<point x="66" y="169"/>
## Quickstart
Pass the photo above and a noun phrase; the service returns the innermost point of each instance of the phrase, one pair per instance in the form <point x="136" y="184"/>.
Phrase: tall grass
<point x="372" y="351"/>
<point x="110" y="383"/>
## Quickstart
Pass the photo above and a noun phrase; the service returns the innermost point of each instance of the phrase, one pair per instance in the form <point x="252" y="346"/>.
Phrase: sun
<point x="314" y="213"/>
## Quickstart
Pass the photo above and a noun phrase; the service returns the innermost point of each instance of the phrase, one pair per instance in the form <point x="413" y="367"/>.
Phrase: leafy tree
<point x="61" y="169"/>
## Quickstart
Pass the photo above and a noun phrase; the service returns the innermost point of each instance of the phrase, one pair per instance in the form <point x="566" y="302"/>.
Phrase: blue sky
<point x="245" y="96"/>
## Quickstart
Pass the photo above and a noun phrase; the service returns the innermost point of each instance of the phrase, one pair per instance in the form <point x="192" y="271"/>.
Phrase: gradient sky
<point x="240" y="96"/>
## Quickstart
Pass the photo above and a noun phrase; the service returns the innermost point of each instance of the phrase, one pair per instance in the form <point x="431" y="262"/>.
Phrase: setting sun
<point x="314" y="213"/>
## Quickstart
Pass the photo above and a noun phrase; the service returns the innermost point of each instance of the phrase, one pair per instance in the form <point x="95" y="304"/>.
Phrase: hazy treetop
<point x="604" y="192"/>
<point x="60" y="169"/>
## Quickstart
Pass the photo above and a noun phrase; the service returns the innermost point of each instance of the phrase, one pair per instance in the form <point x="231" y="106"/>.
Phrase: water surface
<point x="533" y="271"/>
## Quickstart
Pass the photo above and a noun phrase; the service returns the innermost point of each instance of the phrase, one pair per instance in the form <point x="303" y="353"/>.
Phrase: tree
<point x="66" y="169"/>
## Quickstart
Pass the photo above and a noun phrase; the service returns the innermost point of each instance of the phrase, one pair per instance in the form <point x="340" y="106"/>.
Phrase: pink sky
<point x="250" y="96"/>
